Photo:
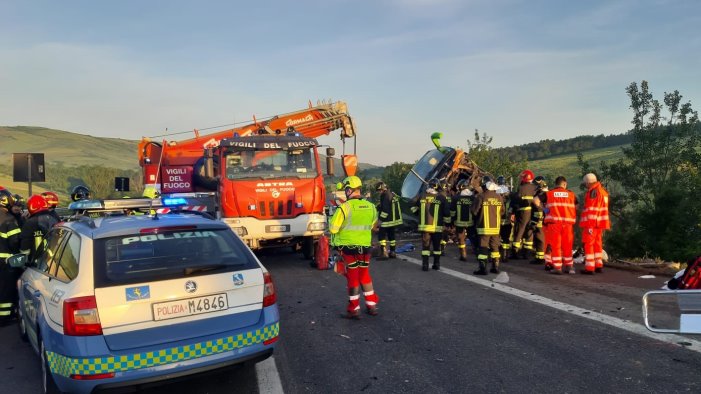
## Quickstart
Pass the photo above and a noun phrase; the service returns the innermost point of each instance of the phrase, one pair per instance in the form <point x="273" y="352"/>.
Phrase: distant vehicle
<point x="265" y="177"/>
<point x="121" y="300"/>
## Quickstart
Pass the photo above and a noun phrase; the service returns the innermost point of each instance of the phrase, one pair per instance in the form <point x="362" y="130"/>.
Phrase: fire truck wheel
<point x="308" y="248"/>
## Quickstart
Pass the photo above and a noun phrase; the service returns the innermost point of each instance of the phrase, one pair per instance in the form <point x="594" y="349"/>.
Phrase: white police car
<point x="124" y="300"/>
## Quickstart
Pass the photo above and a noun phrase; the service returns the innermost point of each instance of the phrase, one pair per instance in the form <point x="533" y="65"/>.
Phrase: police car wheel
<point x="47" y="380"/>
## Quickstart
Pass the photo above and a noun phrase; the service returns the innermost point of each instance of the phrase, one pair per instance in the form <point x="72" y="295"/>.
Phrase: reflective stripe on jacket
<point x="596" y="208"/>
<point x="560" y="206"/>
<point x="434" y="212"/>
<point x="390" y="211"/>
<point x="488" y="210"/>
<point x="462" y="206"/>
<point x="352" y="223"/>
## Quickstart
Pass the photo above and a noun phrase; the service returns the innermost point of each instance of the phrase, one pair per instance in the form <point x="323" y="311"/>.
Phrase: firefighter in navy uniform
<point x="537" y="216"/>
<point x="9" y="245"/>
<point x="521" y="206"/>
<point x="434" y="213"/>
<point x="505" y="233"/>
<point x="488" y="211"/>
<point x="36" y="227"/>
<point x="464" y="225"/>
<point x="444" y="189"/>
<point x="351" y="227"/>
<point x="390" y="214"/>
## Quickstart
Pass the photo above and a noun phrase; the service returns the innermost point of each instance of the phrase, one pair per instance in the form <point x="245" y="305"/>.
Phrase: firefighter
<point x="444" y="189"/>
<point x="434" y="213"/>
<point x="488" y="211"/>
<point x="505" y="233"/>
<point x="536" y="224"/>
<point x="52" y="199"/>
<point x="351" y="227"/>
<point x="151" y="192"/>
<point x="521" y="206"/>
<point x="560" y="207"/>
<point x="594" y="220"/>
<point x="80" y="192"/>
<point x="390" y="214"/>
<point x="18" y="211"/>
<point x="9" y="245"/>
<point x="36" y="227"/>
<point x="464" y="225"/>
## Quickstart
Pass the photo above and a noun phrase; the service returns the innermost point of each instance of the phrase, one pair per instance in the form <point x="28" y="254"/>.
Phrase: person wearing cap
<point x="594" y="221"/>
<point x="488" y="211"/>
<point x="390" y="214"/>
<point x="434" y="213"/>
<point x="521" y="205"/>
<point x="351" y="231"/>
<point x="36" y="227"/>
<point x="9" y="245"/>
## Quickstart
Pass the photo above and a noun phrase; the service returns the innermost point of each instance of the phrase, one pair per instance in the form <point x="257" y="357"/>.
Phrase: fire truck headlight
<point x="316" y="226"/>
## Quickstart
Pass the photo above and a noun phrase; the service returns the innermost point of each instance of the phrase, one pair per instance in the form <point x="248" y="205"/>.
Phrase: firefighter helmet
<point x="151" y="192"/>
<point x="486" y="179"/>
<point x="443" y="184"/>
<point x="6" y="198"/>
<point x="352" y="182"/>
<point x="37" y="203"/>
<point x="51" y="198"/>
<point x="526" y="176"/>
<point x="539" y="180"/>
<point x="80" y="192"/>
<point x="463" y="184"/>
<point x="380" y="186"/>
<point x="434" y="184"/>
<point x="501" y="181"/>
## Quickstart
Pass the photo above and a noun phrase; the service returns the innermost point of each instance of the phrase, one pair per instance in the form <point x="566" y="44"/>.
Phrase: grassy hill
<point x="567" y="164"/>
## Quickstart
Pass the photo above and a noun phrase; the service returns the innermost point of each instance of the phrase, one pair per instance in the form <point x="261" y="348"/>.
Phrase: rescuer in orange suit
<point x="594" y="220"/>
<point x="560" y="209"/>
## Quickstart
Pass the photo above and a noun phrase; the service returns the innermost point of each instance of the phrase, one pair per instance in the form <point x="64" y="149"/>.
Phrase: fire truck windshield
<point x="270" y="164"/>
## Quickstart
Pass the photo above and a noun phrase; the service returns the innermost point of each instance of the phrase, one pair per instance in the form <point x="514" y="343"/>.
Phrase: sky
<point x="518" y="70"/>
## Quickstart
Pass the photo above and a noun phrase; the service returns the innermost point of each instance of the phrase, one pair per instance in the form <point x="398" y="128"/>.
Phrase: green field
<point x="567" y="164"/>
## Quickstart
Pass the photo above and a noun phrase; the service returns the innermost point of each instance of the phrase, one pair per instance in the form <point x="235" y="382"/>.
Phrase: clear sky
<point x="519" y="70"/>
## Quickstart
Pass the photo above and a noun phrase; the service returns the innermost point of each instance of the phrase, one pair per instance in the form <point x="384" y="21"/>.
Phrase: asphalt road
<point x="439" y="333"/>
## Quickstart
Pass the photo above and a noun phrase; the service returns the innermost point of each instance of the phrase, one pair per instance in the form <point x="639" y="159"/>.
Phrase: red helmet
<point x="37" y="203"/>
<point x="51" y="198"/>
<point x="526" y="176"/>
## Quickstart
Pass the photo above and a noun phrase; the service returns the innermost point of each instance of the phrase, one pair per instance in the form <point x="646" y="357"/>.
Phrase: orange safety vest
<point x="560" y="206"/>
<point x="596" y="208"/>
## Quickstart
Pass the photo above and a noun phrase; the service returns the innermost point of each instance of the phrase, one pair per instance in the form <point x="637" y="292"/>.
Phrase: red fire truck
<point x="264" y="179"/>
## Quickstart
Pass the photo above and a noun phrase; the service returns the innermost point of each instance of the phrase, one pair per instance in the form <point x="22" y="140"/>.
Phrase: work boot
<point x="514" y="254"/>
<point x="371" y="310"/>
<point x="504" y="256"/>
<point x="570" y="270"/>
<point x="599" y="270"/>
<point x="495" y="266"/>
<point x="352" y="315"/>
<point x="556" y="271"/>
<point x="392" y="252"/>
<point x="463" y="254"/>
<point x="424" y="263"/>
<point x="436" y="263"/>
<point x="482" y="268"/>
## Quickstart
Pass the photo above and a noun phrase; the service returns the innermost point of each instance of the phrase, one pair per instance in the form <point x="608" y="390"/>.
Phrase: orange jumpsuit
<point x="594" y="220"/>
<point x="560" y="216"/>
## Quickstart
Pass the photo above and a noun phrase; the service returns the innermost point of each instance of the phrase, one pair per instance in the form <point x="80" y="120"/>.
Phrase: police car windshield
<point x="149" y="257"/>
<point x="271" y="164"/>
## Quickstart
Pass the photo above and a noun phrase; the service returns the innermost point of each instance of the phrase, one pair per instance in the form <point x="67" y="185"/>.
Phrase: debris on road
<point x="503" y="277"/>
<point x="344" y="336"/>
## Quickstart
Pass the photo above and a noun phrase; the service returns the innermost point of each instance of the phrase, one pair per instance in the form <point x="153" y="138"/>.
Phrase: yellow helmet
<point x="151" y="192"/>
<point x="352" y="182"/>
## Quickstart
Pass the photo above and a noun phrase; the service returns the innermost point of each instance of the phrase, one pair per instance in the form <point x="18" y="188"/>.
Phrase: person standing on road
<point x="537" y="216"/>
<point x="560" y="208"/>
<point x="351" y="227"/>
<point x="434" y="213"/>
<point x="488" y="211"/>
<point x="9" y="245"/>
<point x="464" y="225"/>
<point x="36" y="227"/>
<point x="521" y="205"/>
<point x="505" y="232"/>
<point x="594" y="220"/>
<point x="444" y="189"/>
<point x="390" y="218"/>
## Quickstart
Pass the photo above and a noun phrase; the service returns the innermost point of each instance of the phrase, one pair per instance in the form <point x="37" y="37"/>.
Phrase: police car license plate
<point x="190" y="306"/>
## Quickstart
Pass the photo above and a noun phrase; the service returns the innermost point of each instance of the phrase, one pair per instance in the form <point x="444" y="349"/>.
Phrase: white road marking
<point x="268" y="377"/>
<point x="581" y="312"/>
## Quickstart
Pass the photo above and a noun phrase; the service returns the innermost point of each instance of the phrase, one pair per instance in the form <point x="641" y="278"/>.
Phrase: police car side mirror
<point x="17" y="261"/>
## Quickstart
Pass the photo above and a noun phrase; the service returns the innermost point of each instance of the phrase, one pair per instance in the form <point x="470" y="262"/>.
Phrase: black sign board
<point x="121" y="184"/>
<point x="23" y="163"/>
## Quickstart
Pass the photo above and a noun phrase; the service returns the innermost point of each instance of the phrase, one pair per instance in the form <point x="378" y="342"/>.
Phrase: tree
<point x="394" y="175"/>
<point x="657" y="210"/>
<point x="493" y="161"/>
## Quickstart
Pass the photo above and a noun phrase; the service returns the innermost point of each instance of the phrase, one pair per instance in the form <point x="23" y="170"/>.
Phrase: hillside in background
<point x="567" y="166"/>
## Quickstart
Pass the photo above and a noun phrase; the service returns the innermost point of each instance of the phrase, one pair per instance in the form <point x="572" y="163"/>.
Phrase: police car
<point x="131" y="299"/>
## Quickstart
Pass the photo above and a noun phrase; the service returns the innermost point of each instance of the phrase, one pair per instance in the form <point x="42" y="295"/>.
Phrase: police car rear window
<point x="168" y="255"/>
